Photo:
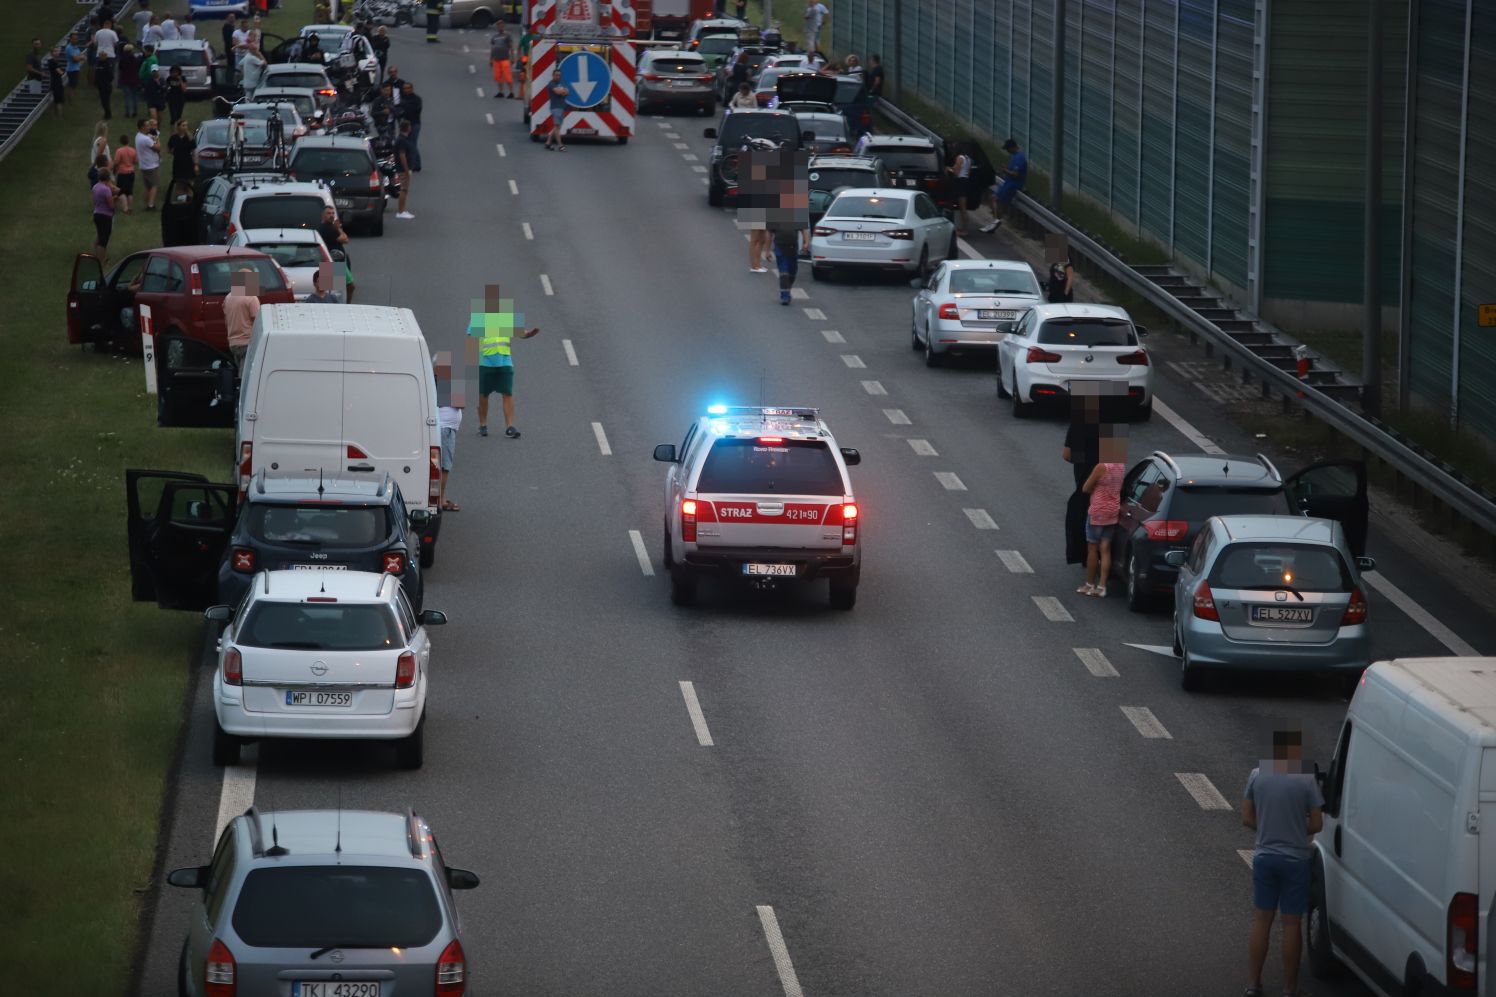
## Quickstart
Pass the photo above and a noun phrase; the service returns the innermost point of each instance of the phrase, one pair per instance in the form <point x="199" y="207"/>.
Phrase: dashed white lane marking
<point x="488" y="116"/>
<point x="673" y="135"/>
<point x="663" y="124"/>
<point x="1203" y="790"/>
<point x="514" y="188"/>
<point x="781" y="954"/>
<point x="681" y="145"/>
<point x="237" y="795"/>
<point x="471" y="68"/>
<point x="950" y="481"/>
<point x="832" y="336"/>
<point x="1015" y="562"/>
<point x="1054" y="611"/>
<point x="896" y="416"/>
<point x="500" y="146"/>
<point x="466" y="49"/>
<point x="705" y="180"/>
<point x="545" y="285"/>
<point x="700" y="169"/>
<point x="602" y="440"/>
<point x="1419" y="615"/>
<point x="815" y="313"/>
<point x="1246" y="856"/>
<point x="691" y="157"/>
<point x="853" y="360"/>
<point x="1096" y="662"/>
<point x="571" y="354"/>
<point x="874" y="387"/>
<point x="698" y="719"/>
<point x="1147" y="724"/>
<point x="479" y="90"/>
<point x="529" y="232"/>
<point x="799" y="293"/>
<point x="980" y="519"/>
<point x="637" y="539"/>
<point x="1192" y="434"/>
<point x="923" y="448"/>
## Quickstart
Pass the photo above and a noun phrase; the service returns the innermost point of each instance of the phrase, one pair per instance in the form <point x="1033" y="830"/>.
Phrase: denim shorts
<point x="449" y="447"/>
<point x="1280" y="882"/>
<point x="1098" y="534"/>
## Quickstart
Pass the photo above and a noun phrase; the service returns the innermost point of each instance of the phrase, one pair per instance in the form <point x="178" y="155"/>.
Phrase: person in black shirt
<point x="36" y="62"/>
<point x="875" y="77"/>
<point x="331" y="231"/>
<point x="381" y="43"/>
<point x="104" y="80"/>
<point x="1083" y="439"/>
<point x="410" y="110"/>
<point x="183" y="152"/>
<point x="1060" y="288"/>
<point x="230" y="25"/>
<point x="176" y="93"/>
<point x="57" y="72"/>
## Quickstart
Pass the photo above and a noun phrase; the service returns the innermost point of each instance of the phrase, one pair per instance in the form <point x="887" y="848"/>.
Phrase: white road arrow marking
<point x="583" y="86"/>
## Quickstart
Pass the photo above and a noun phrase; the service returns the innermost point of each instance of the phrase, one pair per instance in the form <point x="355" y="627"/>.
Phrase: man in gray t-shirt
<point x="1282" y="803"/>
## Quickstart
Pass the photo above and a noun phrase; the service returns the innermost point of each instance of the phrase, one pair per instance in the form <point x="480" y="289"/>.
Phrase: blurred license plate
<point x="343" y="202"/>
<point x="858" y="236"/>
<point x="319" y="567"/>
<point x="1282" y="614"/>
<point x="998" y="314"/>
<point x="786" y="570"/>
<point x="320" y="699"/>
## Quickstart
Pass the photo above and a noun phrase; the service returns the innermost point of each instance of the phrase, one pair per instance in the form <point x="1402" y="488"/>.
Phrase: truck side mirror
<point x="709" y="133"/>
<point x="851" y="456"/>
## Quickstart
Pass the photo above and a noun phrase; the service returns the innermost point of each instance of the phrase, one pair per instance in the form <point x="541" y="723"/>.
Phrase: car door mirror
<point x="1176" y="558"/>
<point x="917" y="284"/>
<point x="665" y="452"/>
<point x="432" y="618"/>
<point x="851" y="456"/>
<point x="461" y="879"/>
<point x="1142" y="330"/>
<point x="218" y="614"/>
<point x="1365" y="563"/>
<point x="338" y="256"/>
<point x="709" y="133"/>
<point x="192" y="878"/>
<point x="420" y="517"/>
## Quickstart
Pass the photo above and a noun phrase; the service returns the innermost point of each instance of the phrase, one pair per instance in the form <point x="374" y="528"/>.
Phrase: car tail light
<point x="218" y="971"/>
<point x="328" y="92"/>
<point x="246" y="452"/>
<point x="356" y="453"/>
<point x="688" y="520"/>
<point x="950" y="311"/>
<point x="899" y="234"/>
<point x="405" y="670"/>
<point x="707" y="78"/>
<point x="434" y="489"/>
<point x="1166" y="529"/>
<point x="694" y="44"/>
<point x="1038" y="355"/>
<point x="375" y="180"/>
<point x="1462" y="942"/>
<point x="210" y="154"/>
<point x="243" y="560"/>
<point x="234" y="228"/>
<point x="1205" y="605"/>
<point x="394" y="563"/>
<point x="1138" y="359"/>
<point x="652" y="77"/>
<point x="849" y="523"/>
<point x="764" y="96"/>
<point x="932" y="182"/>
<point x="1355" y="611"/>
<point x="771" y="439"/>
<point x="233" y="667"/>
<point x="823" y="230"/>
<point x="451" y="970"/>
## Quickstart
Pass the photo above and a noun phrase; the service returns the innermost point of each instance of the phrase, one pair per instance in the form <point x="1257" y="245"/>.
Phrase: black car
<point x="213" y="148"/>
<point x="737" y="129"/>
<point x="915" y="162"/>
<point x="831" y="173"/>
<point x="1166" y="499"/>
<point x="347" y="163"/>
<point x="195" y="543"/>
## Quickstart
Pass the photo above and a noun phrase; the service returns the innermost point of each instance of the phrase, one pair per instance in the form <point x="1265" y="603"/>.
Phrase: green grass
<point x="96" y="684"/>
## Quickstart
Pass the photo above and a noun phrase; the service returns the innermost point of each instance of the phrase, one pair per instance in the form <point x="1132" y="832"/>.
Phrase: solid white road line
<point x="980" y="519"/>
<point x="643" y="555"/>
<point x="1246" y="856"/>
<point x="1192" y="434"/>
<point x="698" y="719"/>
<point x="682" y="145"/>
<point x="896" y="416"/>
<point x="922" y="448"/>
<point x="815" y="313"/>
<point x="1054" y="611"/>
<point x="571" y="354"/>
<point x="799" y="293"/>
<point x="513" y="188"/>
<point x="545" y="285"/>
<point x="1203" y="790"/>
<point x="1015" y="562"/>
<point x="832" y="336"/>
<point x="1164" y="649"/>
<point x="529" y="232"/>
<point x="1147" y="724"/>
<point x="782" y="964"/>
<point x="602" y="439"/>
<point x="488" y="116"/>
<point x="500" y="146"/>
<point x="1419" y="615"/>
<point x="237" y="795"/>
<point x="874" y="387"/>
<point x="1096" y="662"/>
<point x="950" y="481"/>
<point x="965" y="249"/>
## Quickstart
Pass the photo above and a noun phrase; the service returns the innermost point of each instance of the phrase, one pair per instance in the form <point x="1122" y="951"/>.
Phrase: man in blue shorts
<point x="1008" y="185"/>
<point x="1282" y="804"/>
<point x="492" y="323"/>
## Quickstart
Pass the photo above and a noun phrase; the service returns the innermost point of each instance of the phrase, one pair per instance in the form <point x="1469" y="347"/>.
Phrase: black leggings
<point x="104" y="226"/>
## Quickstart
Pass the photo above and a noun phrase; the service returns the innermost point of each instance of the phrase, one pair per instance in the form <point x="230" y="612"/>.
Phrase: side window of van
<point x="1335" y="784"/>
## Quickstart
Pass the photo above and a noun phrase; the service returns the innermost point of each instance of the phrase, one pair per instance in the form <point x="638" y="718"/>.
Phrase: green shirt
<point x="524" y="43"/>
<point x="148" y="67"/>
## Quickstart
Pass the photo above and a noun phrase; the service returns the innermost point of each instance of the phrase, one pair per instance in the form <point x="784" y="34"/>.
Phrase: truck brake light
<point x="688" y="520"/>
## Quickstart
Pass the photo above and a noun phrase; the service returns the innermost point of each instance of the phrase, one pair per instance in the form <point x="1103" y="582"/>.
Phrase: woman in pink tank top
<point x="1105" y="488"/>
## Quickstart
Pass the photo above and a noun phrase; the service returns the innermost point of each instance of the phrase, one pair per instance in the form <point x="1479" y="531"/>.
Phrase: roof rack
<point x="1270" y="468"/>
<point x="1168" y="460"/>
<point x="256" y="840"/>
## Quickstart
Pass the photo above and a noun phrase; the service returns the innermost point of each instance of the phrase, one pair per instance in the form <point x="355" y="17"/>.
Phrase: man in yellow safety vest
<point x="491" y="327"/>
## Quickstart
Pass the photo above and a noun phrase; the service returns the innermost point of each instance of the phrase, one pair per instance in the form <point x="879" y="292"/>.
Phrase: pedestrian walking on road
<point x="1014" y="176"/>
<point x="240" y="308"/>
<point x="104" y="193"/>
<point x="556" y="137"/>
<point x="1282" y="803"/>
<point x="960" y="173"/>
<point x="433" y="19"/>
<point x="501" y="55"/>
<point x="403" y="152"/>
<point x="148" y="156"/>
<point x="494" y="327"/>
<point x="1060" y="288"/>
<point x="743" y="99"/>
<point x="789" y="226"/>
<point x="1104" y="485"/>
<point x="124" y="171"/>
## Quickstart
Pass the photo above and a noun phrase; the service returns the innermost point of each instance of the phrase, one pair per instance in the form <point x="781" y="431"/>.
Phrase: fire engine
<point x="588" y="45"/>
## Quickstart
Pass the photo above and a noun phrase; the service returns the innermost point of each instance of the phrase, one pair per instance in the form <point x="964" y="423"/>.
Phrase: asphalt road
<point x="935" y="794"/>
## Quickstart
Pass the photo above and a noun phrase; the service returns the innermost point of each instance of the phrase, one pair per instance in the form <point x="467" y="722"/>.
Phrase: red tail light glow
<point x="1039" y="355"/>
<point x="434" y="491"/>
<point x="1462" y="943"/>
<point x="1205" y="606"/>
<point x="1138" y="359"/>
<point x="845" y="516"/>
<point x="1166" y="529"/>
<point x="771" y="439"/>
<point x="688" y="520"/>
<point x="1355" y="612"/>
<point x="451" y="971"/>
<point x="233" y="667"/>
<point x="405" y="671"/>
<point x="949" y="311"/>
<point x="375" y="181"/>
<point x="823" y="230"/>
<point x="243" y="560"/>
<point x="394" y="563"/>
<point x="218" y="971"/>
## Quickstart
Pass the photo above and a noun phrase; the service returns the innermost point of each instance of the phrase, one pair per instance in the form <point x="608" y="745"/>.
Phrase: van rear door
<point x="385" y="430"/>
<point x="298" y="424"/>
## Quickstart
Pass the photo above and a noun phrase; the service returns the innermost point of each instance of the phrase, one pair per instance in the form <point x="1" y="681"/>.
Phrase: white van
<point x="343" y="389"/>
<point x="1405" y="868"/>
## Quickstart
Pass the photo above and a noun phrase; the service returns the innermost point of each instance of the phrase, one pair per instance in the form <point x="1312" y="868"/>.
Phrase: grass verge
<point x="95" y="694"/>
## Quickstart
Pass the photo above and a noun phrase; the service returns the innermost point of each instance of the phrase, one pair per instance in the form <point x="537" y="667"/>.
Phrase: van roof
<point x="1467" y="685"/>
<point x="339" y="320"/>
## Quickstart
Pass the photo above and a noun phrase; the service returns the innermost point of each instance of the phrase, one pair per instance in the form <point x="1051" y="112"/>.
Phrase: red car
<point x="184" y="286"/>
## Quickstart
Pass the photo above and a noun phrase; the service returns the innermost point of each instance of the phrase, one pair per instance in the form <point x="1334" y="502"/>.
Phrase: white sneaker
<point x="989" y="227"/>
<point x="405" y="214"/>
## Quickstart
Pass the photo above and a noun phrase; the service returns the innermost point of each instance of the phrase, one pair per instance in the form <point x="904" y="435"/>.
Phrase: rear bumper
<point x="948" y="336"/>
<point x="1350" y="651"/>
<point x="1050" y="388"/>
<point x="234" y="719"/>
<point x="728" y="562"/>
<point x="867" y="263"/>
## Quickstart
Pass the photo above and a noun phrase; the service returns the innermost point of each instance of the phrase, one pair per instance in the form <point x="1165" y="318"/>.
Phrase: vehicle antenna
<point x="275" y="850"/>
<point x="1226" y="469"/>
<point x="762" y="378"/>
<point x="338" y="847"/>
<point x="319" y="482"/>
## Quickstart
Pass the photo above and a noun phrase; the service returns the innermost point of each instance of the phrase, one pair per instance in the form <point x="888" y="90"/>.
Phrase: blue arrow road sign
<point x="586" y="75"/>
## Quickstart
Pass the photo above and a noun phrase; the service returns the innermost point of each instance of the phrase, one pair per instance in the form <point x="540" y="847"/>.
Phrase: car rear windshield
<point x="1280" y="565"/>
<point x="793" y="467"/>
<point x="717" y="44"/>
<point x="1087" y="332"/>
<point x="216" y="133"/>
<point x="345" y="906"/>
<point x="291" y="254"/>
<point x="311" y="81"/>
<point x="824" y="126"/>
<point x="865" y="206"/>
<point x="901" y="160"/>
<point x="304" y="105"/>
<point x="180" y="57"/>
<point x="218" y="275"/>
<point x="319" y="525"/>
<point x="738" y="128"/>
<point x="319" y="626"/>
<point x="332" y="163"/>
<point x="993" y="282"/>
<point x="1199" y="504"/>
<point x="832" y="179"/>
<point x="281" y="211"/>
<point x="679" y="66"/>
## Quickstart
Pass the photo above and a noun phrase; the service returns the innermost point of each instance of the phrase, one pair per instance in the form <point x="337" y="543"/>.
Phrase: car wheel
<point x="669" y="551"/>
<point x="428" y="555"/>
<point x="1002" y="389"/>
<point x="1317" y="932"/>
<point x="952" y="251"/>
<point x="682" y="587"/>
<point x="1190" y="678"/>
<point x="480" y="20"/>
<point x="714" y="195"/>
<point x="1177" y="645"/>
<point x="225" y="746"/>
<point x="924" y="263"/>
<point x="1020" y="407"/>
<point x="709" y="109"/>
<point x="914" y="343"/>
<point x="1144" y="413"/>
<point x="843" y="594"/>
<point x="410" y="752"/>
<point x="1137" y="593"/>
<point x="642" y="109"/>
<point x="932" y="359"/>
<point x="377" y="228"/>
<point x="820" y="273"/>
<point x="183" y="990"/>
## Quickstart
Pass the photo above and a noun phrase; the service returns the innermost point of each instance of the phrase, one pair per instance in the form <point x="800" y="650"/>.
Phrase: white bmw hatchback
<point x="322" y="654"/>
<point x="881" y="229"/>
<point x="1055" y="346"/>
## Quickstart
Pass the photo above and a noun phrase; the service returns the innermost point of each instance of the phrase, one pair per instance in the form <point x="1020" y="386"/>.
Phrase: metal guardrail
<point x="1368" y="434"/>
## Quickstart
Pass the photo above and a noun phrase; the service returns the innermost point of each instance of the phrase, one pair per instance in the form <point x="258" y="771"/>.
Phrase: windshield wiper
<point x="355" y="945"/>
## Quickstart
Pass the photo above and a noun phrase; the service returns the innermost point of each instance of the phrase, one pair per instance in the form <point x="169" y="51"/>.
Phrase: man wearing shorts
<point x="500" y="53"/>
<point x="1282" y="804"/>
<point x="1009" y="184"/>
<point x="148" y="158"/>
<point x="492" y="324"/>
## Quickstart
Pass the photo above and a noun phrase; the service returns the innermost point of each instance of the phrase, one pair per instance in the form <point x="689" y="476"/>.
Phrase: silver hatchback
<point x="1270" y="593"/>
<point x="322" y="903"/>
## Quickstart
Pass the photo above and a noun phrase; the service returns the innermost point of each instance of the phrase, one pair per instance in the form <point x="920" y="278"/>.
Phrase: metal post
<point x="898" y="50"/>
<point x="1371" y="263"/>
<point x="1057" y="166"/>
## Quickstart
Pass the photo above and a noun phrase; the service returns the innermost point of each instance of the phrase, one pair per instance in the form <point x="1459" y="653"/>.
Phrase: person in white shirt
<point x="153" y="33"/>
<point x="241" y="45"/>
<point x="148" y="160"/>
<point x="106" y="39"/>
<point x="142" y="19"/>
<point x="251" y="69"/>
<point x="169" y="30"/>
<point x="187" y="31"/>
<point x="449" y="418"/>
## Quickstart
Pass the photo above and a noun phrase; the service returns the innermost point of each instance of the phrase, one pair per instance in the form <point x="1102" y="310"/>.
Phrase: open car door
<point x="179" y="526"/>
<point x="1334" y="489"/>
<point x="86" y="306"/>
<point x="197" y="384"/>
